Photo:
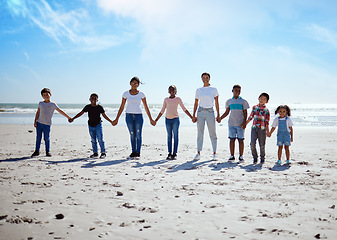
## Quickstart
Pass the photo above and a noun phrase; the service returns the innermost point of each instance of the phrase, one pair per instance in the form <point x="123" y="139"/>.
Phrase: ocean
<point x="320" y="115"/>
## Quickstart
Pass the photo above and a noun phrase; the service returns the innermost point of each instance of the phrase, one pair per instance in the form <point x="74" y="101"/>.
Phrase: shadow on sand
<point x="93" y="163"/>
<point x="252" y="167"/>
<point x="67" y="161"/>
<point x="188" y="166"/>
<point x="223" y="165"/>
<point x="15" y="159"/>
<point x="150" y="164"/>
<point x="279" y="168"/>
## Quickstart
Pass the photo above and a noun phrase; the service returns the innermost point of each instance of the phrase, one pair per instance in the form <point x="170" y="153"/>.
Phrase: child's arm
<point x="188" y="114"/>
<point x="271" y="131"/>
<point x="107" y="118"/>
<point x="244" y="123"/>
<point x="121" y="108"/>
<point x="291" y="134"/>
<point x="224" y="115"/>
<point x="148" y="112"/>
<point x="77" y="116"/>
<point x="267" y="129"/>
<point x="194" y="119"/>
<point x="36" y="117"/>
<point x="63" y="113"/>
<point x="157" y="118"/>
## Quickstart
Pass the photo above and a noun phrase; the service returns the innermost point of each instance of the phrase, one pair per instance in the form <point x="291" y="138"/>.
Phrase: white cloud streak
<point x="322" y="34"/>
<point x="61" y="25"/>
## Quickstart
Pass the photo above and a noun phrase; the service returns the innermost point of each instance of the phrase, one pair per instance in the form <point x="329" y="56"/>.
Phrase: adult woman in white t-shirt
<point x="205" y="98"/>
<point x="134" y="116"/>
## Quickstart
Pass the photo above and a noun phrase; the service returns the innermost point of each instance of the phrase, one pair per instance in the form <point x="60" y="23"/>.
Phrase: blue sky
<point x="286" y="48"/>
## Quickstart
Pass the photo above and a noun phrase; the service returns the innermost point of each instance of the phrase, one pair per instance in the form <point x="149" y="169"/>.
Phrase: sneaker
<point x="174" y="156"/>
<point x="132" y="155"/>
<point x="278" y="162"/>
<point x="94" y="155"/>
<point x="231" y="159"/>
<point x="197" y="157"/>
<point x="137" y="155"/>
<point x="169" y="156"/>
<point x="48" y="154"/>
<point x="255" y="161"/>
<point x="36" y="153"/>
<point x="241" y="160"/>
<point x="262" y="161"/>
<point x="288" y="162"/>
<point x="103" y="155"/>
<point x="215" y="157"/>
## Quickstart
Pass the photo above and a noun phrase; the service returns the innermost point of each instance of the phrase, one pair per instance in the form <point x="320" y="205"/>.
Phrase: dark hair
<point x="94" y="95"/>
<point x="45" y="90"/>
<point x="236" y="86"/>
<point x="136" y="79"/>
<point x="264" y="95"/>
<point x="284" y="107"/>
<point x="174" y="87"/>
<point x="207" y="74"/>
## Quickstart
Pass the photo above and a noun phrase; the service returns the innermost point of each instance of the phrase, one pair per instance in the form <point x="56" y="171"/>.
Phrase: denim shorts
<point x="236" y="132"/>
<point x="283" y="138"/>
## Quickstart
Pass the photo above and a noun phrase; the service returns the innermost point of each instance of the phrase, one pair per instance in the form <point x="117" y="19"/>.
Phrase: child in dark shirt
<point x="95" y="124"/>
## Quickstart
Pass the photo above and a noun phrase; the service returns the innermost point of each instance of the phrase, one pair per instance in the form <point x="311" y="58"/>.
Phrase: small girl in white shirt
<point x="172" y="121"/>
<point x="284" y="132"/>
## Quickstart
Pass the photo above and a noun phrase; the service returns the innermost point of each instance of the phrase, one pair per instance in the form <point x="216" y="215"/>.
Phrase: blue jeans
<point x="45" y="129"/>
<point x="135" y="126"/>
<point x="96" y="133"/>
<point x="206" y="115"/>
<point x="172" y="127"/>
<point x="236" y="132"/>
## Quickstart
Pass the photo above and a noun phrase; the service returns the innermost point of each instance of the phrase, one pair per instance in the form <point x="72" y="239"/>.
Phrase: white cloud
<point x="62" y="25"/>
<point x="322" y="34"/>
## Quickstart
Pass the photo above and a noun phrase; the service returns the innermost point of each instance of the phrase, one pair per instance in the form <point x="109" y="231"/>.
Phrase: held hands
<point x="268" y="134"/>
<point x="70" y="120"/>
<point x="218" y="119"/>
<point x="194" y="119"/>
<point x="243" y="125"/>
<point x="153" y="122"/>
<point x="114" y="122"/>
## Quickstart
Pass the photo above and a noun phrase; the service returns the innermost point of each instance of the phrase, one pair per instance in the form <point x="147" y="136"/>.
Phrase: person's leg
<point x="46" y="136"/>
<point x="169" y="125"/>
<point x="99" y="134"/>
<point x="232" y="137"/>
<point x="279" y="152"/>
<point x="253" y="138"/>
<point x="232" y="146"/>
<point x="38" y="136"/>
<point x="92" y="133"/>
<point x="175" y="128"/>
<point x="241" y="146"/>
<point x="262" y="135"/>
<point x="129" y="118"/>
<point x="201" y="128"/>
<point x="210" y="120"/>
<point x="287" y="152"/>
<point x="138" y="128"/>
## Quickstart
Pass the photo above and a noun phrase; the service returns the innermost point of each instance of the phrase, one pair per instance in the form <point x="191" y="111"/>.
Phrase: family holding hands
<point x="206" y="98"/>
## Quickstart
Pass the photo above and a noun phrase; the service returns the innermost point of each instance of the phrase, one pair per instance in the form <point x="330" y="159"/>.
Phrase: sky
<point x="286" y="48"/>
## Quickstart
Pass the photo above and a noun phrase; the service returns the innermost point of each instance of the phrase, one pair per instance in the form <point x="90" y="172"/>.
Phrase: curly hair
<point x="284" y="107"/>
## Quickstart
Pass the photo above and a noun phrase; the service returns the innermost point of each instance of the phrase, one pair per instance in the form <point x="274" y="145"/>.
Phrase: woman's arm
<point x="107" y="118"/>
<point x="121" y="108"/>
<point x="196" y="102"/>
<point x="148" y="111"/>
<point x="216" y="101"/>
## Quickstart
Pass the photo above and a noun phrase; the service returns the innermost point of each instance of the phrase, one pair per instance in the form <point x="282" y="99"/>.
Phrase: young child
<point x="237" y="107"/>
<point x="172" y="120"/>
<point x="95" y="124"/>
<point x="260" y="127"/>
<point x="42" y="121"/>
<point x="284" y="133"/>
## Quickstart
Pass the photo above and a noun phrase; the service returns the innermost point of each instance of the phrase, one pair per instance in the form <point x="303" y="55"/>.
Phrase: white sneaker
<point x="215" y="157"/>
<point x="197" y="157"/>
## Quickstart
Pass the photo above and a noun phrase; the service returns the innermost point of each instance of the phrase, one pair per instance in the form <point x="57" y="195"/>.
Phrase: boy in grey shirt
<point x="237" y="107"/>
<point x="42" y="121"/>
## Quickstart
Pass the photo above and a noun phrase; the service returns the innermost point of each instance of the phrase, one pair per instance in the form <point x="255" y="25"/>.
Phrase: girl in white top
<point x="205" y="98"/>
<point x="134" y="116"/>
<point x="172" y="120"/>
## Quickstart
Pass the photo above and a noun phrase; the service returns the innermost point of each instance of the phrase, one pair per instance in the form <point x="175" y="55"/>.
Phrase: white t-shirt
<point x="206" y="96"/>
<point x="133" y="102"/>
<point x="289" y="122"/>
<point x="46" y="112"/>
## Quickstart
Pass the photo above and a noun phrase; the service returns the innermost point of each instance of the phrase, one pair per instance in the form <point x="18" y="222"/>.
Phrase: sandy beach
<point x="70" y="196"/>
